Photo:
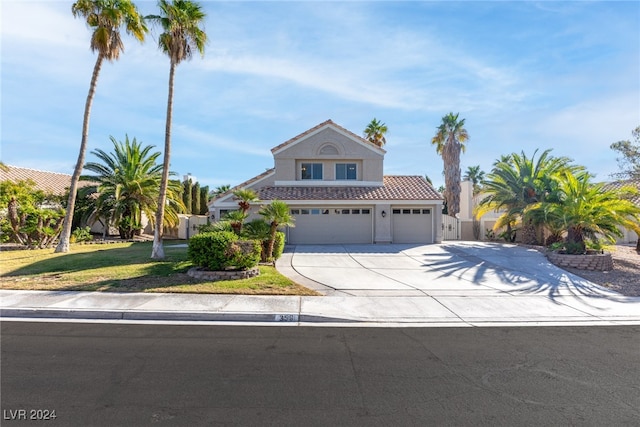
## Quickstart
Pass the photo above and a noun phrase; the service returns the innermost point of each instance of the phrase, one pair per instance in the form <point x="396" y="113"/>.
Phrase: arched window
<point x="328" y="150"/>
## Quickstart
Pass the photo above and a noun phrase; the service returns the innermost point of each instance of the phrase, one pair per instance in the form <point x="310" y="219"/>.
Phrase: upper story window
<point x="346" y="171"/>
<point x="311" y="171"/>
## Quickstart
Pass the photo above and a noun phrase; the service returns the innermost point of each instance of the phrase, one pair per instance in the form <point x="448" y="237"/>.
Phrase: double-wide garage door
<point x="332" y="225"/>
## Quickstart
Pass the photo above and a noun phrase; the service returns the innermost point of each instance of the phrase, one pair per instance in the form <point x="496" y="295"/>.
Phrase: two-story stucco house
<point x="333" y="182"/>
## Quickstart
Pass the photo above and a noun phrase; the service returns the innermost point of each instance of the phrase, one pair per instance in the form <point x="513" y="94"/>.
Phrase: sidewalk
<point x="453" y="285"/>
<point x="475" y="310"/>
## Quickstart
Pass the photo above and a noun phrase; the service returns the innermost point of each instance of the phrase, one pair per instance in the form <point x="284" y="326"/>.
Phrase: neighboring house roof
<point x="49" y="182"/>
<point x="394" y="188"/>
<point x="617" y="185"/>
<point x="324" y="124"/>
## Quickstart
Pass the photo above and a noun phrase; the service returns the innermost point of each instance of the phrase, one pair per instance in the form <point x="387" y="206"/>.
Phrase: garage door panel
<point x="329" y="225"/>
<point x="412" y="224"/>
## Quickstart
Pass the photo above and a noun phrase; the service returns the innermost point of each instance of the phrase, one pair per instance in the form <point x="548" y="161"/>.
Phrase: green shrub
<point x="244" y="254"/>
<point x="219" y="250"/>
<point x="81" y="235"/>
<point x="215" y="226"/>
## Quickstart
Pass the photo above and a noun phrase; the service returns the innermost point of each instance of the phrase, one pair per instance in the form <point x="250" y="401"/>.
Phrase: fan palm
<point x="126" y="185"/>
<point x="236" y="219"/>
<point x="245" y="197"/>
<point x="475" y="175"/>
<point x="277" y="215"/>
<point x="180" y="21"/>
<point x="105" y="17"/>
<point x="375" y="131"/>
<point x="219" y="190"/>
<point x="450" y="141"/>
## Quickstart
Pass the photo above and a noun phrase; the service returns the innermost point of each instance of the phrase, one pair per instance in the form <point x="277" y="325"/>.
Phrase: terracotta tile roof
<point x="616" y="185"/>
<point x="394" y="188"/>
<point x="49" y="182"/>
<point x="321" y="125"/>
<point x="244" y="184"/>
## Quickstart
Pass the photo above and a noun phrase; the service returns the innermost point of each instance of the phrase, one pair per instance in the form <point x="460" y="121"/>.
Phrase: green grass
<point x="127" y="267"/>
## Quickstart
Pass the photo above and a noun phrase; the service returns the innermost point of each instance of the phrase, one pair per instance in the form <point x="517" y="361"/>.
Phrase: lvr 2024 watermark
<point x="29" y="414"/>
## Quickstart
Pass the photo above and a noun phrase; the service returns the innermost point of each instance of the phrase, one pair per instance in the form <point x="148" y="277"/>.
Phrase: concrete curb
<point x="47" y="313"/>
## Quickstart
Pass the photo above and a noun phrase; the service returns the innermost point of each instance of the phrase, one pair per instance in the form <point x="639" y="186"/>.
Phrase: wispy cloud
<point x="525" y="75"/>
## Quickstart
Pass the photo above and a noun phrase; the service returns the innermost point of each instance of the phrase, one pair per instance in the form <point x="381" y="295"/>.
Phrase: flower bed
<point x="203" y="274"/>
<point x="596" y="262"/>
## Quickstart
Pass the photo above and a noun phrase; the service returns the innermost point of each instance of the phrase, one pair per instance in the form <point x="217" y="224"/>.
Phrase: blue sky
<point x="524" y="75"/>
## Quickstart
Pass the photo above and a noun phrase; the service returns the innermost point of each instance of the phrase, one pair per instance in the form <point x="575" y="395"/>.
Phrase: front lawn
<point x="126" y="267"/>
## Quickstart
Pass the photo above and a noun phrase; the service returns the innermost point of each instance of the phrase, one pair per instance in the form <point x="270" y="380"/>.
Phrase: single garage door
<point x="412" y="225"/>
<point x="329" y="225"/>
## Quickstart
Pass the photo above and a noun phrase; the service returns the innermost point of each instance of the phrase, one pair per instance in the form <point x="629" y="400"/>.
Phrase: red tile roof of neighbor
<point x="394" y="188"/>
<point x="617" y="185"/>
<point x="49" y="182"/>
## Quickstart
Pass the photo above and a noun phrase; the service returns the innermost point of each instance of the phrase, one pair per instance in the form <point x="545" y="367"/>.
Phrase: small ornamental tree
<point x="277" y="215"/>
<point x="29" y="220"/>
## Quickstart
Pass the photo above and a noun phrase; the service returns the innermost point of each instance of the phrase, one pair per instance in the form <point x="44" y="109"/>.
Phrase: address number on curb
<point x="286" y="317"/>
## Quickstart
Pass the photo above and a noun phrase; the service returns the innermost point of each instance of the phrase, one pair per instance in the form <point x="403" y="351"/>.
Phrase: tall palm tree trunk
<point x="158" y="251"/>
<point x="451" y="157"/>
<point x="272" y="239"/>
<point x="65" y="235"/>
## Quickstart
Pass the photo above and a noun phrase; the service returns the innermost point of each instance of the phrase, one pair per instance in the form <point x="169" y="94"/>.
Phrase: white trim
<point x="216" y="202"/>
<point x="427" y="204"/>
<point x="341" y="132"/>
<point x="326" y="183"/>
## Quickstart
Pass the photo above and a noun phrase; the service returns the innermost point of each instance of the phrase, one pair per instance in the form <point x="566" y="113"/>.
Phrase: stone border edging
<point x="200" y="273"/>
<point x="595" y="262"/>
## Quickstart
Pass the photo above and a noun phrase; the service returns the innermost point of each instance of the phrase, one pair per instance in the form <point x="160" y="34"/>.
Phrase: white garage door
<point x="412" y="225"/>
<point x="328" y="225"/>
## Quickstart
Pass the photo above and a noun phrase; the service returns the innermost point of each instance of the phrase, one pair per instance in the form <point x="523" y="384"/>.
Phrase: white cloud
<point x="201" y="142"/>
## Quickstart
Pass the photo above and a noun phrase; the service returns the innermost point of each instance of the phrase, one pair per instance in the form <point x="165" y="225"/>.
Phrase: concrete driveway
<point x="470" y="282"/>
<point x="449" y="269"/>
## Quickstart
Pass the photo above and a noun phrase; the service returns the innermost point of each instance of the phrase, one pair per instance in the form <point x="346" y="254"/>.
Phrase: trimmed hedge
<point x="220" y="250"/>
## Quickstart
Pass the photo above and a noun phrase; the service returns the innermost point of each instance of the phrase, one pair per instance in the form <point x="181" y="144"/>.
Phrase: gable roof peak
<point x="317" y="128"/>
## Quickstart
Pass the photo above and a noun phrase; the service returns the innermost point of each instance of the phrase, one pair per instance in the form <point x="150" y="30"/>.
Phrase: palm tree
<point x="245" y="197"/>
<point x="589" y="211"/>
<point x="449" y="141"/>
<point x="180" y="21"/>
<point x="221" y="189"/>
<point x="236" y="220"/>
<point x="277" y="215"/>
<point x="126" y="185"/>
<point x="105" y="17"/>
<point x="375" y="131"/>
<point x="259" y="230"/>
<point x="475" y="175"/>
<point x="518" y="181"/>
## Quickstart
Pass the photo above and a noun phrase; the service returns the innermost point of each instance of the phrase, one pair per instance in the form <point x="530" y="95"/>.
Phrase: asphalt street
<point x="119" y="374"/>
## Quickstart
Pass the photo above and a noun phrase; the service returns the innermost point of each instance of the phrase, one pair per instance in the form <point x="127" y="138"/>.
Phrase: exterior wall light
<point x="384" y="213"/>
